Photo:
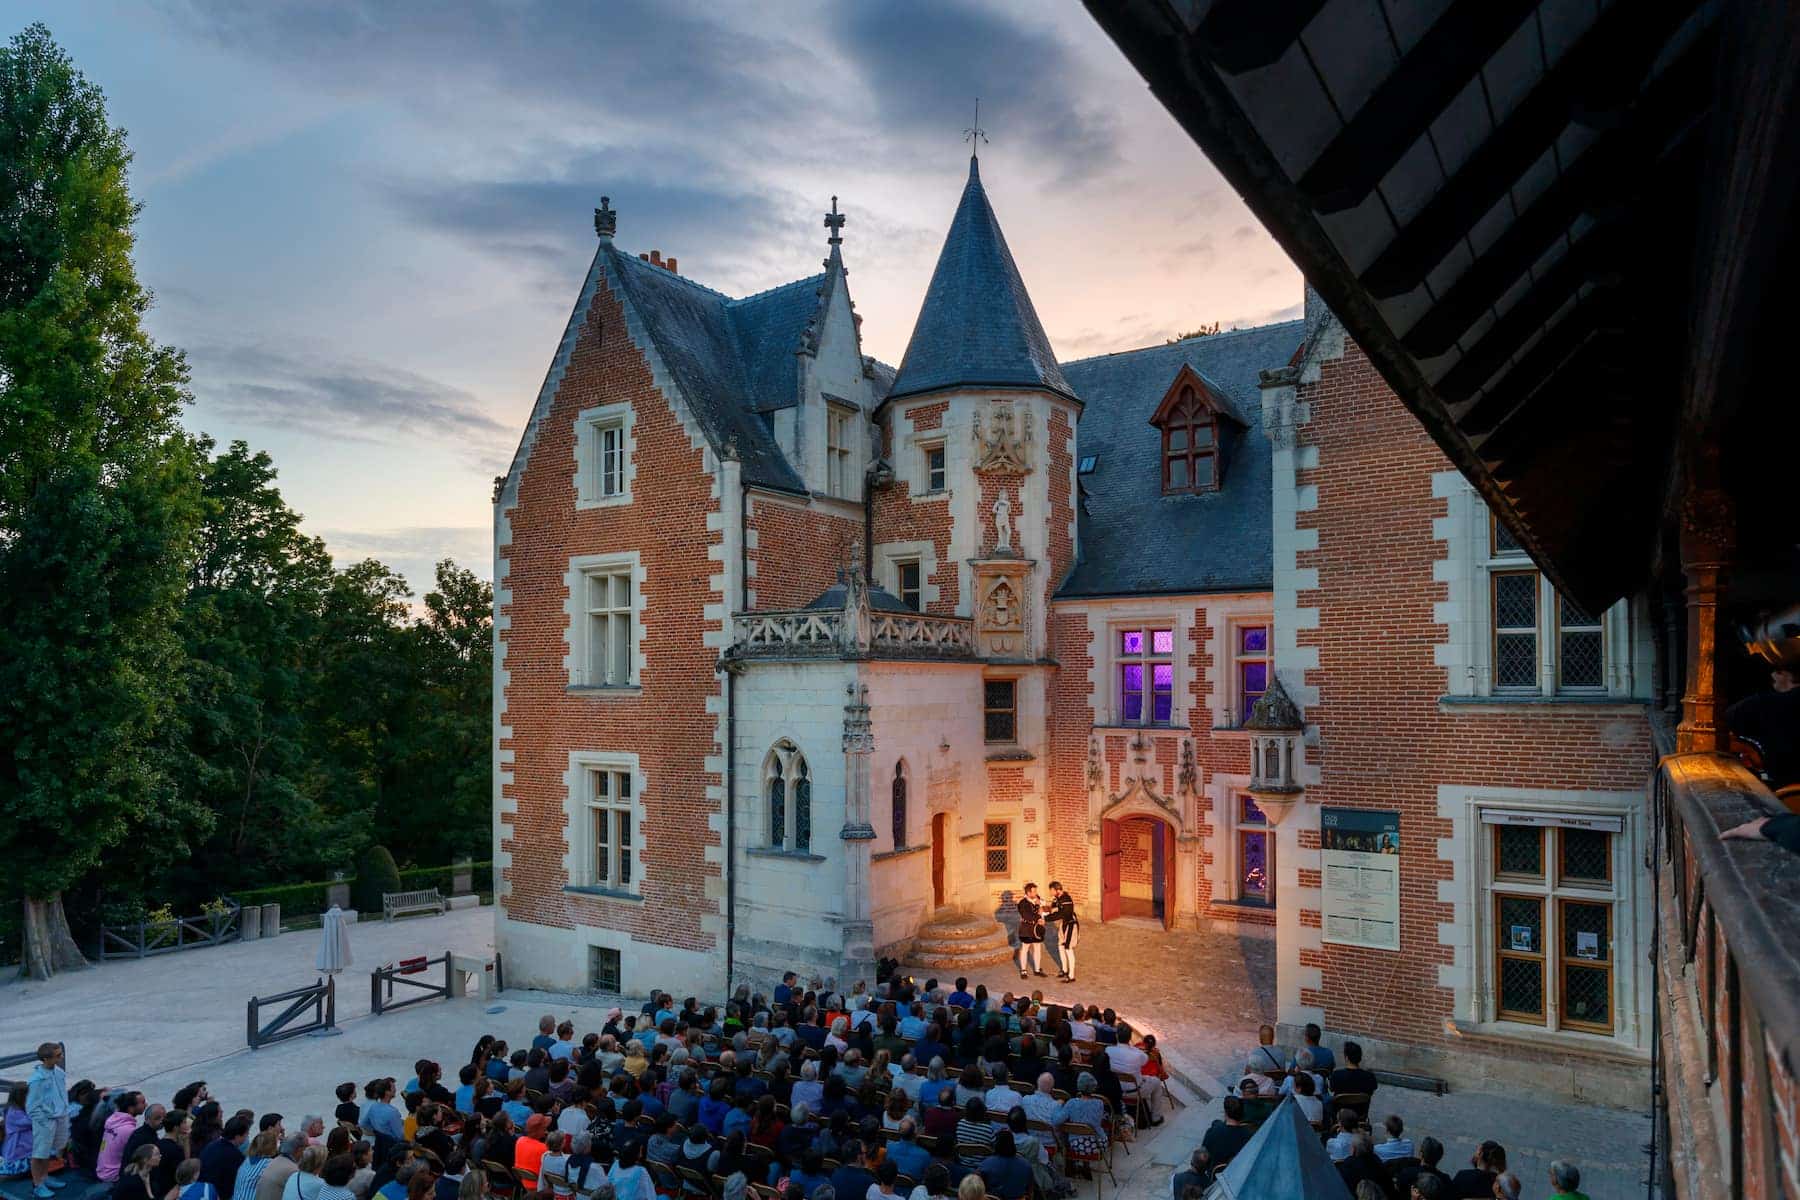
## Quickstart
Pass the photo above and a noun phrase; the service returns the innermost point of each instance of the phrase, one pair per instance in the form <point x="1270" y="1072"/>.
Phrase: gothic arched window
<point x="1190" y="445"/>
<point x="900" y="805"/>
<point x="787" y="787"/>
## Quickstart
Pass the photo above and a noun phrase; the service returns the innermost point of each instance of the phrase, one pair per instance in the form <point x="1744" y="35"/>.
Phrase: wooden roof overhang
<point x="1554" y="226"/>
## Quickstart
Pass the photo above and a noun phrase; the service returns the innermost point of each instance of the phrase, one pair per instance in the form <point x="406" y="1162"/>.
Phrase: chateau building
<point x="802" y="660"/>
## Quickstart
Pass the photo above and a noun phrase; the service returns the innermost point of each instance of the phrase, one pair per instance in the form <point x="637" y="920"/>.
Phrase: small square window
<point x="603" y="970"/>
<point x="1087" y="465"/>
<point x="999" y="848"/>
<point x="1000" y="701"/>
<point x="936" y="475"/>
<point x="1504" y="544"/>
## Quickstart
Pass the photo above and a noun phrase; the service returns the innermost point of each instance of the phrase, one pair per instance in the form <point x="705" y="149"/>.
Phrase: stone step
<point x="933" y="945"/>
<point x="959" y="924"/>
<point x="957" y="962"/>
<point x="954" y="939"/>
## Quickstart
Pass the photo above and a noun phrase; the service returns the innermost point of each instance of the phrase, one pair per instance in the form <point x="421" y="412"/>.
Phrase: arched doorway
<point x="1137" y="869"/>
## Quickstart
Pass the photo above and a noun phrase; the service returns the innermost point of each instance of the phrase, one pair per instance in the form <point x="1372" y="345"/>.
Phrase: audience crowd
<point x="902" y="1091"/>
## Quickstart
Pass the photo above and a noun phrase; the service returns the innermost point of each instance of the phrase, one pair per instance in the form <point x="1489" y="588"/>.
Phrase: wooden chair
<point x="526" y="1178"/>
<point x="499" y="1177"/>
<point x="975" y="1151"/>
<point x="555" y="1182"/>
<point x="667" y="1182"/>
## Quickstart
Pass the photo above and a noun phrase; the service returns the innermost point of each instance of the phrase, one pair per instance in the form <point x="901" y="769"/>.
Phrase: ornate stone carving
<point x="1001" y="619"/>
<point x="859" y="732"/>
<point x="1003" y="442"/>
<point x="1096" y="767"/>
<point x="1187" y="781"/>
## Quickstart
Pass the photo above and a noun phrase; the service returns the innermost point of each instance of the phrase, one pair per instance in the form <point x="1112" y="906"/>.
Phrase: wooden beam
<point x="1414" y="94"/>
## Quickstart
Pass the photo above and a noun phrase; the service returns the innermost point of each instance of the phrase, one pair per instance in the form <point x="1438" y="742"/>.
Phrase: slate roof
<point x="1136" y="540"/>
<point x="880" y="599"/>
<point x="977" y="326"/>
<point x="1283" y="1161"/>
<point x="731" y="359"/>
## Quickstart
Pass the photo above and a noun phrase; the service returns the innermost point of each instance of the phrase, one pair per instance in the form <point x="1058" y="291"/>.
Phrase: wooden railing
<point x="1728" y="984"/>
<point x="149" y="938"/>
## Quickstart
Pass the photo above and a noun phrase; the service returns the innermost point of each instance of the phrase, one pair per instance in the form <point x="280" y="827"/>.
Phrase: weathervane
<point x="834" y="221"/>
<point x="975" y="134"/>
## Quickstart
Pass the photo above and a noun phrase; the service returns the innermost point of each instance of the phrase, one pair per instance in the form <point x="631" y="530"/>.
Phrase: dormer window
<point x="1190" y="445"/>
<point x="1193" y="434"/>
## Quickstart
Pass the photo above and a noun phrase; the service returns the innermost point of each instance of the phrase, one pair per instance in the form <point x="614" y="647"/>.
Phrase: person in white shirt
<point x="1303" y="1064"/>
<point x="1340" y="1144"/>
<point x="564" y="1045"/>
<point x="1311" y="1107"/>
<point x="1255" y="1069"/>
<point x="1128" y="1062"/>
<point x="1000" y="1099"/>
<point x="839" y="1027"/>
<point x="1397" y="1145"/>
<point x="1042" y="1105"/>
<point x="1079" y="1029"/>
<point x="862" y="1013"/>
<point x="573" y="1119"/>
<point x="906" y="1081"/>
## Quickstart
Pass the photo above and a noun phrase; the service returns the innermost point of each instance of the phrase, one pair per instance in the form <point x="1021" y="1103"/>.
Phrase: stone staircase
<point x="954" y="939"/>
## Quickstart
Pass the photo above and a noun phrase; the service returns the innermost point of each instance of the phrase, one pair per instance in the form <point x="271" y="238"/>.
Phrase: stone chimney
<point x="655" y="259"/>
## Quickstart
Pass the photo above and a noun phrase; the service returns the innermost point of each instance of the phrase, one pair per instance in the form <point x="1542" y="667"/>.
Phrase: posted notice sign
<point x="1361" y="877"/>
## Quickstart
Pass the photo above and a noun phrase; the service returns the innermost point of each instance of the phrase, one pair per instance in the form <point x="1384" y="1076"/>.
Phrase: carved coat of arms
<point x="1003" y="439"/>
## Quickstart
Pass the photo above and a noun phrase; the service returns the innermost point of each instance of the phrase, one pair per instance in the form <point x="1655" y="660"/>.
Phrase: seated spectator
<point x="1565" y="1181"/>
<point x="630" y="1181"/>
<point x="1001" y="1098"/>
<point x="1361" y="1166"/>
<point x="809" y="1176"/>
<point x="1477" y="1179"/>
<point x="1322" y="1057"/>
<point x="133" y="1182"/>
<point x="1042" y="1104"/>
<point x="281" y="1168"/>
<point x="1396" y="1145"/>
<point x="189" y="1185"/>
<point x="904" y="1151"/>
<point x="1338" y="1145"/>
<point x="220" y="1161"/>
<point x="1006" y="1174"/>
<point x="1129" y="1062"/>
<point x="808" y="1090"/>
<point x="974" y="1134"/>
<point x="1304" y="1066"/>
<point x="853" y="1178"/>
<point x="886" y="1173"/>
<point x="1084" y="1108"/>
<point x="935" y="1184"/>
<point x="1352" y="1079"/>
<point x="1311" y="1107"/>
<point x="1507" y="1186"/>
<point x="1228" y="1135"/>
<point x="1197" y="1174"/>
<point x="306" y="1182"/>
<point x="1431" y="1152"/>
<point x="941" y="1118"/>
<point x="115" y="1131"/>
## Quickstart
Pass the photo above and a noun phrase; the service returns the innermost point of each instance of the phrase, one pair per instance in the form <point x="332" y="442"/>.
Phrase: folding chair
<point x="1098" y="1162"/>
<point x="500" y="1178"/>
<point x="667" y="1182"/>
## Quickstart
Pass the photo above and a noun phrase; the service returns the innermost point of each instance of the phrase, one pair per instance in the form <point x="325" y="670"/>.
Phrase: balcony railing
<point x="1728" y="975"/>
<point x="841" y="633"/>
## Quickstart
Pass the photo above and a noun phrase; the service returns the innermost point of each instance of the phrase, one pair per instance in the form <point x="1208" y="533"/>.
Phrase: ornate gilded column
<point x="857" y="835"/>
<point x="1707" y="536"/>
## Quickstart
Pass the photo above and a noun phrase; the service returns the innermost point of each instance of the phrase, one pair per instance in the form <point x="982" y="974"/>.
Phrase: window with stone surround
<point x="997" y="849"/>
<point x="603" y="970"/>
<point x="1250" y="666"/>
<point x="1553" y="903"/>
<point x="1527" y="617"/>
<point x="840" y="451"/>
<point x="1000" y="710"/>
<point x="787" y="790"/>
<point x="611" y="822"/>
<point x="1255" y="854"/>
<point x="936" y="471"/>
<point x="608" y="629"/>
<point x="1146" y="675"/>
<point x="603" y="456"/>
<point x="909" y="583"/>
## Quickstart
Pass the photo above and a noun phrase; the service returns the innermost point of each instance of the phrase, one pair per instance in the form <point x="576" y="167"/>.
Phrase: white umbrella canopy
<point x="334" y="942"/>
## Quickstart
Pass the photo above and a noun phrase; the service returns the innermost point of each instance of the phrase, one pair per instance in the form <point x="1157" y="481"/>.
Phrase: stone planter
<point x="250" y="922"/>
<point x="271" y="920"/>
<point x="338" y="893"/>
<point x="462" y="877"/>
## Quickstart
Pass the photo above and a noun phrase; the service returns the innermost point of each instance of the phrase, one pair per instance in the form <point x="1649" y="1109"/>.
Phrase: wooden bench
<point x="395" y="904"/>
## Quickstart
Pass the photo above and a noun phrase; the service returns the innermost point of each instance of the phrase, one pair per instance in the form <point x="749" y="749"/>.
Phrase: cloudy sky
<point x="366" y="220"/>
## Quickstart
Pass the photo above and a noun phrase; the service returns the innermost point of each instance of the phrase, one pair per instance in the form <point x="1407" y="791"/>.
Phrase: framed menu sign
<point x="1361" y="877"/>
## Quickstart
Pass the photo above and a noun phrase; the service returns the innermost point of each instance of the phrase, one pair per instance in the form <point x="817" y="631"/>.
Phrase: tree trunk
<point x="49" y="946"/>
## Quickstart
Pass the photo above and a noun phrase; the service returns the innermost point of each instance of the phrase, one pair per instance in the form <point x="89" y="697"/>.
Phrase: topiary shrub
<point x="375" y="874"/>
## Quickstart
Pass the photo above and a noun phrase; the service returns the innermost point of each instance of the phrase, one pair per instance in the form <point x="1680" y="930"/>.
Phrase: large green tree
<point x="98" y="502"/>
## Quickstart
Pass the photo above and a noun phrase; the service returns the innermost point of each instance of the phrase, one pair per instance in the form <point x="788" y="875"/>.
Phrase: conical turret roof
<point x="1284" y="1161"/>
<point x="977" y="327"/>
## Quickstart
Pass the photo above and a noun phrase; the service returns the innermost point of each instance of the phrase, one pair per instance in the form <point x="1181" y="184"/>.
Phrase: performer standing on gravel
<point x="1068" y="927"/>
<point x="1031" y="932"/>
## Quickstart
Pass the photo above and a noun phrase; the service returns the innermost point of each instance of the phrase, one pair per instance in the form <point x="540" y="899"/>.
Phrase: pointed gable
<point x="1284" y="1161"/>
<point x="977" y="327"/>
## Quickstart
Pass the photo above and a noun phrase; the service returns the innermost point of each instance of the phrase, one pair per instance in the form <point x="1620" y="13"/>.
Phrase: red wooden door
<point x="1166" y="832"/>
<point x="937" y="859"/>
<point x="1109" y="870"/>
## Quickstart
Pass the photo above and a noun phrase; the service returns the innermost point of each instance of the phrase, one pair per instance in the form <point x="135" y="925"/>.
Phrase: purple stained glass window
<point x="1256" y="680"/>
<point x="1253" y="639"/>
<point x="1132" y="642"/>
<point x="1162" y="641"/>
<point x="1131" y="679"/>
<point x="1162" y="679"/>
<point x="1253" y="865"/>
<point x="1249" y="814"/>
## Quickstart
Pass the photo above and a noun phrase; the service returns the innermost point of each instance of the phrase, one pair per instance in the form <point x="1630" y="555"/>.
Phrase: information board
<point x="1361" y="894"/>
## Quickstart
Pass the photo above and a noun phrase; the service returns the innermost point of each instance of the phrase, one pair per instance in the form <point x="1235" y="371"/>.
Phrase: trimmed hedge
<point x="309" y="898"/>
<point x="376" y="875"/>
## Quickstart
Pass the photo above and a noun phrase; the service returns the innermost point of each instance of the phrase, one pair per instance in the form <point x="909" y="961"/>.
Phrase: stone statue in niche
<point x="1003" y="441"/>
<point x="1003" y="533"/>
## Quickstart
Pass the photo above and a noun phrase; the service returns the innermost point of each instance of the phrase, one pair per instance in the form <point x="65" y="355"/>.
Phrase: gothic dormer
<point x="1198" y="426"/>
